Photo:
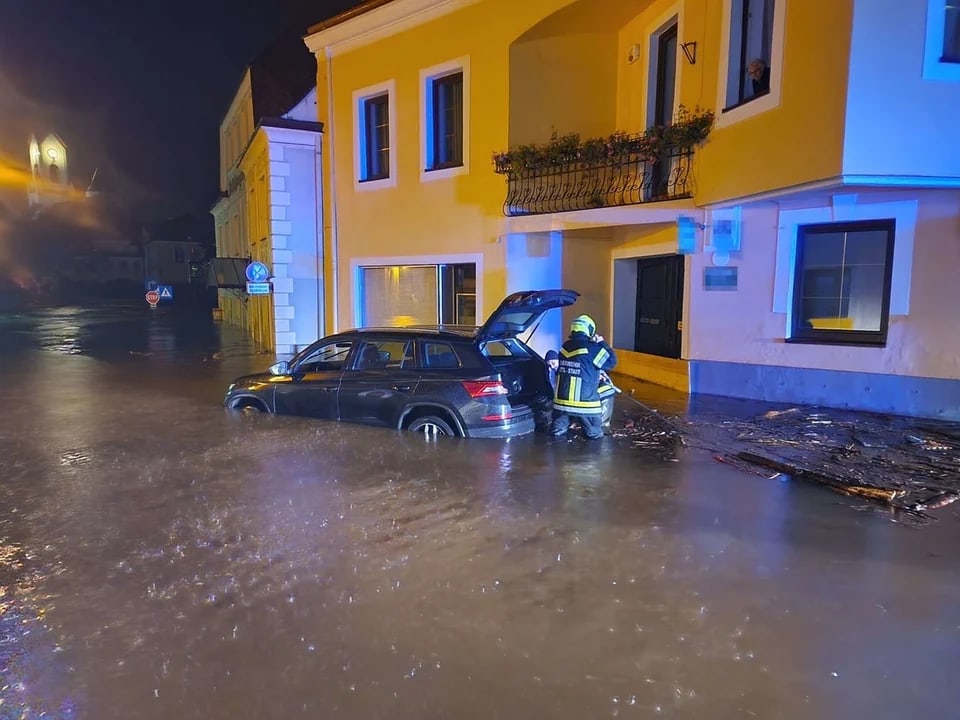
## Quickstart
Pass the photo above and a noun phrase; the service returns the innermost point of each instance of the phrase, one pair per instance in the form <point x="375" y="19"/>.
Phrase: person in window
<point x="759" y="73"/>
<point x="583" y="358"/>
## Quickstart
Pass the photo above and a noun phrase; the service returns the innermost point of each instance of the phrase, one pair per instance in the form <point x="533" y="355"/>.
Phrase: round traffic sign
<point x="257" y="272"/>
<point x="153" y="297"/>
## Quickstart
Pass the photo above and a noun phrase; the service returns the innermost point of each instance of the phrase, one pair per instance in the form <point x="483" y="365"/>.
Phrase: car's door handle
<point x="401" y="388"/>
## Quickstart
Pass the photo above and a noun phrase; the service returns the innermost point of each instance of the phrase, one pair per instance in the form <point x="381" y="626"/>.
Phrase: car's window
<point x="439" y="355"/>
<point x="504" y="348"/>
<point x="329" y="356"/>
<point x="383" y="354"/>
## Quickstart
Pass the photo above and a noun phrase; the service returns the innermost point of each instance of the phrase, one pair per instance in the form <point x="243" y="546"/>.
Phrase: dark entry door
<point x="659" y="305"/>
<point x="663" y="103"/>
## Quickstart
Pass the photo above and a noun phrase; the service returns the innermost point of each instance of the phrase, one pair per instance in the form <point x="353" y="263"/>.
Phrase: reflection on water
<point x="163" y="558"/>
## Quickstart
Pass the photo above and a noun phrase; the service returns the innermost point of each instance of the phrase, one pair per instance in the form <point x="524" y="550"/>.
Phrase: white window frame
<point x="427" y="76"/>
<point x="846" y="208"/>
<point x="767" y="102"/>
<point x="388" y="88"/>
<point x="933" y="67"/>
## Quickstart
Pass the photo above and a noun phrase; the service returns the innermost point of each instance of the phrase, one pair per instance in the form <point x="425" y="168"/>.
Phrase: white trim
<point x="388" y="88"/>
<point x="427" y="76"/>
<point x="933" y="68"/>
<point x="384" y="21"/>
<point x="291" y="136"/>
<point x="845" y="208"/>
<point x="772" y="99"/>
<point x="359" y="262"/>
<point x="641" y="214"/>
<point x="652" y="32"/>
<point x="912" y="181"/>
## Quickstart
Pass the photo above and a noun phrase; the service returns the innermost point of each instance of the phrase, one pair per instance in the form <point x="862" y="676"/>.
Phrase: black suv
<point x="439" y="380"/>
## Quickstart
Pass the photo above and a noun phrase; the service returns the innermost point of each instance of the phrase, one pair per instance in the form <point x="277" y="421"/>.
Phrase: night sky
<point x="136" y="88"/>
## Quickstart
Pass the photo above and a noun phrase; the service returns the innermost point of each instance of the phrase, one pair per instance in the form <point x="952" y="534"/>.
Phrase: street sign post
<point x="152" y="297"/>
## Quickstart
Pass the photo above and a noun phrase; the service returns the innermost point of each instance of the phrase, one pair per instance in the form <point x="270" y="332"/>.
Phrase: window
<point x="376" y="138"/>
<point x="446" y="118"/>
<point x="439" y="356"/>
<point x="941" y="52"/>
<point x="750" y="50"/>
<point x="842" y="282"/>
<point x="383" y="354"/>
<point x="951" y="32"/>
<point x="329" y="356"/>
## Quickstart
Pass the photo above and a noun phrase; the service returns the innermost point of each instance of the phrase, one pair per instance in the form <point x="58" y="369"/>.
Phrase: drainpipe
<point x="334" y="233"/>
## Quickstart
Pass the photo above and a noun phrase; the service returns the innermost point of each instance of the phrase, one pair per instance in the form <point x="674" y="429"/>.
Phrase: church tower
<point x="48" y="169"/>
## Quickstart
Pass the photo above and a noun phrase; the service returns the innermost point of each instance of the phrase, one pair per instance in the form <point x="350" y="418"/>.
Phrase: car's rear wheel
<point x="431" y="426"/>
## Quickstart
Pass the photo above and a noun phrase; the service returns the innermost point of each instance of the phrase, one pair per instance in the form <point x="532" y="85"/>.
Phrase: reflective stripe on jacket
<point x="578" y="389"/>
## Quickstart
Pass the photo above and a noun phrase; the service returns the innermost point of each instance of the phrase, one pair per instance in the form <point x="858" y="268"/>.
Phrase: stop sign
<point x="153" y="297"/>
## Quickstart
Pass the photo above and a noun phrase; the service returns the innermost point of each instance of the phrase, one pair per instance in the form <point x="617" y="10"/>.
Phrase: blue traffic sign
<point x="166" y="292"/>
<point x="257" y="272"/>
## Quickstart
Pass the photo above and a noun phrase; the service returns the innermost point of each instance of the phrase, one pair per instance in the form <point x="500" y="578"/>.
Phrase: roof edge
<point x="353" y="12"/>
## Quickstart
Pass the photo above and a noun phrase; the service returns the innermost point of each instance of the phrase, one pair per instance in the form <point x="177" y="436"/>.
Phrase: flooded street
<point x="161" y="557"/>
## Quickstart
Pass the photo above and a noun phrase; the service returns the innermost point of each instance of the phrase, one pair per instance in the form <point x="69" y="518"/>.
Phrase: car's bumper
<point x="514" y="427"/>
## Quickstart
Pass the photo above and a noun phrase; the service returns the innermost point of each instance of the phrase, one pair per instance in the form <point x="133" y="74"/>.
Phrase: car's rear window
<point x="439" y="355"/>
<point x="504" y="348"/>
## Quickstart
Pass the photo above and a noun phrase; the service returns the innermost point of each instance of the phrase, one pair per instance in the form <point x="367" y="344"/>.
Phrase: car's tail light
<point x="485" y="388"/>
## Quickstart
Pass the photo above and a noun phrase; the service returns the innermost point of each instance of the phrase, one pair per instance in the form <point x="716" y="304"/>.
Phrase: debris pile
<point x="908" y="464"/>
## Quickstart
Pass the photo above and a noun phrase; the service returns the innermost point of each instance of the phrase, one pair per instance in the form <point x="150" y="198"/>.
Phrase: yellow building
<point x="269" y="207"/>
<point x="795" y="254"/>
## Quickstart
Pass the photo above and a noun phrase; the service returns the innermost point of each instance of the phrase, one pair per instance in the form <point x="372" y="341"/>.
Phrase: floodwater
<point x="161" y="557"/>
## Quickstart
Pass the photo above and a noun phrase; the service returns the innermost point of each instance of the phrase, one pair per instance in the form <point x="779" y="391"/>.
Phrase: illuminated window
<point x="751" y="50"/>
<point x="376" y="138"/>
<point x="842" y="280"/>
<point x="445" y="147"/>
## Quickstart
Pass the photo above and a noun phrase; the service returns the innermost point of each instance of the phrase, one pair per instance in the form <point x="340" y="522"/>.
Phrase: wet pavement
<point x="161" y="557"/>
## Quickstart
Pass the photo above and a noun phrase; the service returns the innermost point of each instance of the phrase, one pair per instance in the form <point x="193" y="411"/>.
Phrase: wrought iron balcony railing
<point x="611" y="182"/>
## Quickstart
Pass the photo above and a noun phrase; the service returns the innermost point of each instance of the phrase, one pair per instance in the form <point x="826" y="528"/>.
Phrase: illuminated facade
<point x="802" y="253"/>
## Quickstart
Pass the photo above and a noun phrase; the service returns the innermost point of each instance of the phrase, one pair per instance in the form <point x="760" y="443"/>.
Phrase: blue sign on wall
<point x="257" y="272"/>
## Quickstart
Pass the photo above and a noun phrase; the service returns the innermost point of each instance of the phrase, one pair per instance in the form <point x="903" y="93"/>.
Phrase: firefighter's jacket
<point x="579" y="385"/>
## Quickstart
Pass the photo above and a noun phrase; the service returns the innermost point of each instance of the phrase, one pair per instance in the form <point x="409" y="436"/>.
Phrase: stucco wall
<point x="898" y="122"/>
<point x="749" y="325"/>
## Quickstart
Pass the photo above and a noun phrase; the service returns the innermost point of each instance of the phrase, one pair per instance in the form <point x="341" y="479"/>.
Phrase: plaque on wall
<point x="720" y="278"/>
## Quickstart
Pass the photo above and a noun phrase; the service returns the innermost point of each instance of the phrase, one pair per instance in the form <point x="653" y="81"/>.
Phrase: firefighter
<point x="580" y="390"/>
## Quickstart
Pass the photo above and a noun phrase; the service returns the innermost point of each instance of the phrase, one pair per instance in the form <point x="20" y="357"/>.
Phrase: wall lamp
<point x="690" y="51"/>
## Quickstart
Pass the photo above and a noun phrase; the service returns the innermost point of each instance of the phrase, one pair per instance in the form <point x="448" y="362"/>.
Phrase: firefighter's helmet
<point x="583" y="324"/>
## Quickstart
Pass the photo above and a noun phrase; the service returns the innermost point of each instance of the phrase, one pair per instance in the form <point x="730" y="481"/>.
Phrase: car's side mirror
<point x="280" y="368"/>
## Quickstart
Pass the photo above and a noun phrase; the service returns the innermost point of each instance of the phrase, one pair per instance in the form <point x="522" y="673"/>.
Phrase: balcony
<point x="608" y="183"/>
<point x="622" y="169"/>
